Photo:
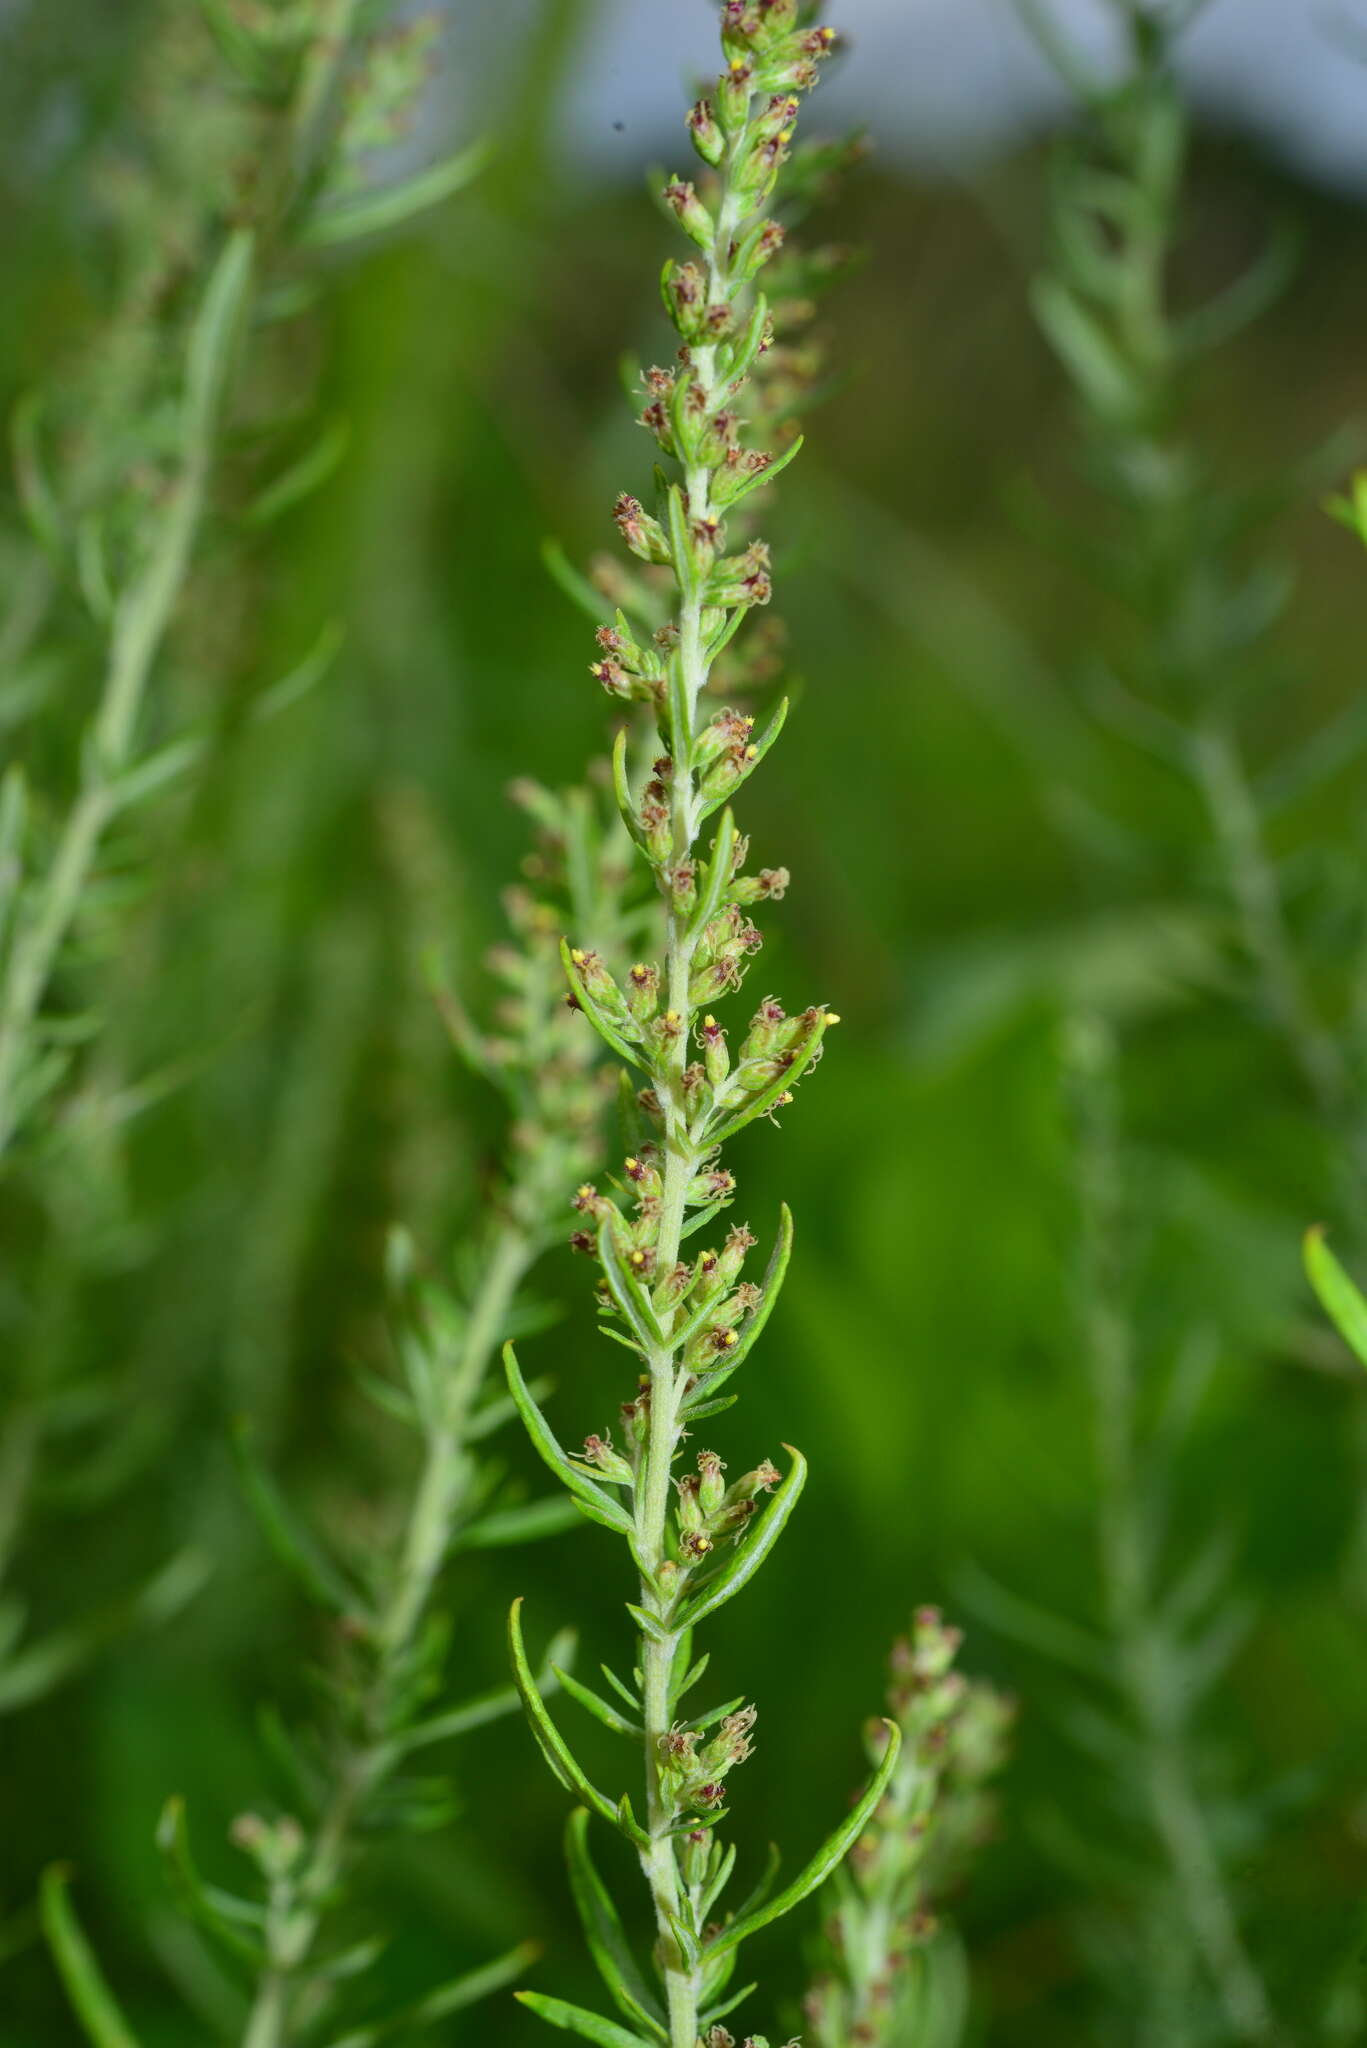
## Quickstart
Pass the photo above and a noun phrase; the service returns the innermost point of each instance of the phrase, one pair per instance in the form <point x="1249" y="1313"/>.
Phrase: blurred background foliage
<point x="973" y="857"/>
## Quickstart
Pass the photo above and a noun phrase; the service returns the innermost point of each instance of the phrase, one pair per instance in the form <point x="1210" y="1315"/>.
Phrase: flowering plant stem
<point x="299" y="1899"/>
<point x="695" y="1540"/>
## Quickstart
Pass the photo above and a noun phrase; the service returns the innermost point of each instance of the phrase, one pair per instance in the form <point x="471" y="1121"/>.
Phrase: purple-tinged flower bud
<point x="644" y="1174"/>
<point x="769" y="885"/>
<point x="694" y="1544"/>
<point x="643" y="535"/>
<point x="716" y="1059"/>
<point x="643" y="991"/>
<point x="649" y="1104"/>
<point x="706" y="136"/>
<point x="598" y="1453"/>
<point x="674" y="1286"/>
<point x="693" y="217"/>
<point x="711" y="1485"/>
<point x="716" y="1185"/>
<point x="683" y="888"/>
<point x="690" y="1506"/>
<point x="739" y="1241"/>
<point x="589" y="1202"/>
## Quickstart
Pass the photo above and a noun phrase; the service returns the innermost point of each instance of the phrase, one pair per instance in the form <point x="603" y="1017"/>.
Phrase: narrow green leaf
<point x="832" y="1851"/>
<point x="649" y="1624"/>
<point x="577" y="588"/>
<point x="1339" y="1295"/>
<point x="774" y="1274"/>
<point x="718" y="874"/>
<point x="289" y="1539"/>
<point x="621" y="787"/>
<point x="766" y="1098"/>
<point x="721" y="2012"/>
<point x="218" y="1912"/>
<point x="494" y="1704"/>
<point x="526" y="1524"/>
<point x="752" y="1549"/>
<point x="37" y="497"/>
<point x="301" y="479"/>
<point x="215" y="336"/>
<point x="573" y="2019"/>
<point x="595" y="1502"/>
<point x="552" y="1743"/>
<point x="303" y="677"/>
<point x="448" y="1998"/>
<point x="761" y="748"/>
<point x="624" y="1287"/>
<point x="1085" y="348"/>
<point x="600" y="1021"/>
<point x="603" y="1930"/>
<point x="594" y="1703"/>
<point x="91" y="1999"/>
<point x="681" y="545"/>
<point x="390" y="208"/>
<point x="766" y="476"/>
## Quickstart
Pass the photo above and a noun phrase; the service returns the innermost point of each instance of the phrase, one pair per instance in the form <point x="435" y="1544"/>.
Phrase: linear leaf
<point x="604" y="1932"/>
<point x="598" y="1505"/>
<point x="525" y="1524"/>
<point x="768" y="1096"/>
<point x="292" y="1543"/>
<point x="494" y="1704"/>
<point x="718" y="873"/>
<point x="600" y="1021"/>
<point x="91" y="1999"/>
<point x="448" y="1998"/>
<point x="594" y="1703"/>
<point x="215" y="335"/>
<point x="750" y="1553"/>
<point x="574" y="2020"/>
<point x="390" y="208"/>
<point x="1339" y="1296"/>
<point x="626" y="1290"/>
<point x="219" y="1913"/>
<point x="832" y="1851"/>
<point x="766" y="476"/>
<point x="774" y="1274"/>
<point x="553" y="1745"/>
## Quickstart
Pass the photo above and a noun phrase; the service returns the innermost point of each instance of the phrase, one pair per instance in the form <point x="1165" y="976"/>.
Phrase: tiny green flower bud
<point x="693" y="217"/>
<point x="715" y="1056"/>
<point x="599" y="1453"/>
<point x="716" y="1185"/>
<point x="643" y="991"/>
<point x="769" y="885"/>
<point x="711" y="1485"/>
<point x="643" y="535"/>
<point x="706" y="136"/>
<point x="739" y="1241"/>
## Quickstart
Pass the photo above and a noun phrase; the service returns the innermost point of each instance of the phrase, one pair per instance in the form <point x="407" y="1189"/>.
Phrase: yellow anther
<point x="578" y="955"/>
<point x="632" y="1165"/>
<point x="738" y="63"/>
<point x="830" y="1018"/>
<point x="729" y="1338"/>
<point x="671" y="1016"/>
<point x="785" y="1098"/>
<point x="638" y="1258"/>
<point x="709" y="1023"/>
<point x="785" y="135"/>
<point x="751" y="753"/>
<point x="585" y="1192"/>
<point x="640" y="968"/>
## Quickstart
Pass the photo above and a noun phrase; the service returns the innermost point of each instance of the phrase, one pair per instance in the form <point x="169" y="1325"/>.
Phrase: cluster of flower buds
<point x="538" y="1055"/>
<point x="777" y="1048"/>
<point x="937" y="1810"/>
<point x="711" y="1512"/>
<point x="692" y="1771"/>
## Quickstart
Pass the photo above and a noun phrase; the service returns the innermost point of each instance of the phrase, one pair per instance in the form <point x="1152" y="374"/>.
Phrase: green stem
<point x="286" y="1989"/>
